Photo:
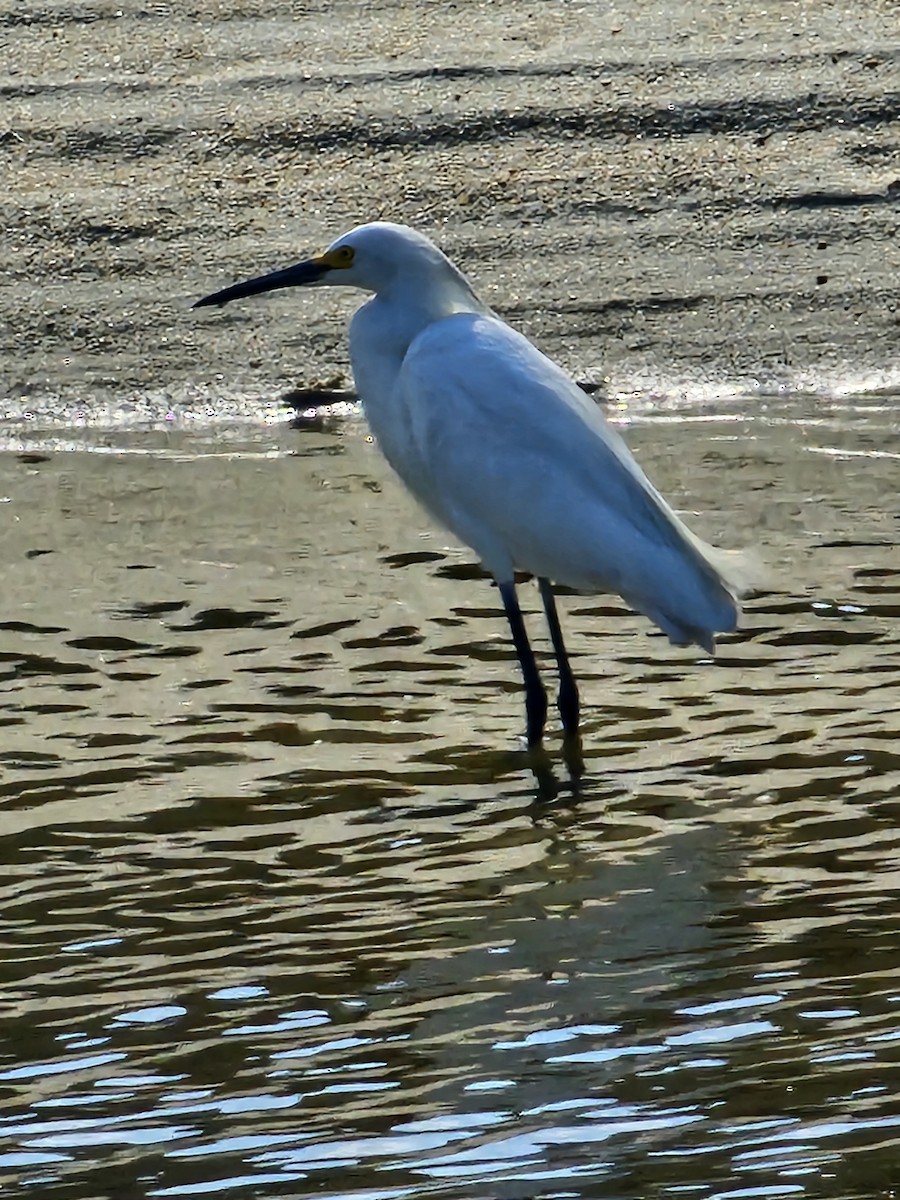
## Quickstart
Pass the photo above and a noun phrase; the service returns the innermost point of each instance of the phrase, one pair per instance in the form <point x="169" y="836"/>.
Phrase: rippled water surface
<point x="286" y="910"/>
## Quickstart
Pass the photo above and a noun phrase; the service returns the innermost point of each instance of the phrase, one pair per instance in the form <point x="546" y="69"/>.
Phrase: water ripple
<point x="287" y="907"/>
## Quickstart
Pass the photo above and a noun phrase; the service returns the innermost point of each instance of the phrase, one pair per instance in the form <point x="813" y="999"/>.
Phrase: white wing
<point x="524" y="468"/>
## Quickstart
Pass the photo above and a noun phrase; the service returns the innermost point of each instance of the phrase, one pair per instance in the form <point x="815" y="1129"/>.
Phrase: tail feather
<point x="728" y="575"/>
<point x="740" y="571"/>
<point x="680" y="634"/>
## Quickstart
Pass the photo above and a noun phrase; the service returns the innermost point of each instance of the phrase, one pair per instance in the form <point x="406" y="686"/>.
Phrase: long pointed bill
<point x="304" y="273"/>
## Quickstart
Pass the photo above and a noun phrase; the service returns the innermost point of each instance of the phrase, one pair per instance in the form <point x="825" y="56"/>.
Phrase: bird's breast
<point x="378" y="347"/>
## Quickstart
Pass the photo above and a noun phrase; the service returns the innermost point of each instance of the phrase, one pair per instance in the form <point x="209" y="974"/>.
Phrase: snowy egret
<point x="507" y="452"/>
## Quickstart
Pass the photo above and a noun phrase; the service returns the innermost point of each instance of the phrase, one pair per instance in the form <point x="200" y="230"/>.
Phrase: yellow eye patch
<point x="338" y="258"/>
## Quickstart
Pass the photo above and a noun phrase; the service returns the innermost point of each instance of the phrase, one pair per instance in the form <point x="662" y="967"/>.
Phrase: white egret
<point x="508" y="453"/>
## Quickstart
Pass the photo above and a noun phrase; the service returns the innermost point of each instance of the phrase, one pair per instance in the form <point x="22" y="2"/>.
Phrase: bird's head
<point x="377" y="257"/>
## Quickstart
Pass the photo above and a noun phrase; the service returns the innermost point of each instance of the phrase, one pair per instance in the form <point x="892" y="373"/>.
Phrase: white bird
<point x="503" y="448"/>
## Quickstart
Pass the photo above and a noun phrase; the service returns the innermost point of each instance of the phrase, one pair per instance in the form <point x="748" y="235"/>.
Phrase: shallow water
<point x="287" y="911"/>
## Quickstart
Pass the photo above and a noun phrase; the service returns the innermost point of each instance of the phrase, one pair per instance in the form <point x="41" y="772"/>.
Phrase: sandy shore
<point x="657" y="193"/>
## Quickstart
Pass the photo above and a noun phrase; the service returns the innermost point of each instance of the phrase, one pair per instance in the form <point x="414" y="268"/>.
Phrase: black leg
<point x="567" y="701"/>
<point x="535" y="696"/>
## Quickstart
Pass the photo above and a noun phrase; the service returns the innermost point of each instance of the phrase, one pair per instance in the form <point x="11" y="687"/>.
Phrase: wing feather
<point x="525" y="468"/>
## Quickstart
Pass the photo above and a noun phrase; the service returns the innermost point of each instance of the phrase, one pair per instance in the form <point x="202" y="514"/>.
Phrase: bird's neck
<point x="416" y="303"/>
<point x="383" y="329"/>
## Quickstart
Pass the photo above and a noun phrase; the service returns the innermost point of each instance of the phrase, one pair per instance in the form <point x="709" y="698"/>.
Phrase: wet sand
<point x="660" y="194"/>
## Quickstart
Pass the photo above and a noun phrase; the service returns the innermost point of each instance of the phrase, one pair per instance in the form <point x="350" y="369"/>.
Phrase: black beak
<point x="309" y="271"/>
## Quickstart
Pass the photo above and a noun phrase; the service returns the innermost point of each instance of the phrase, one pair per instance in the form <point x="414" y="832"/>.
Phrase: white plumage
<point x="507" y="452"/>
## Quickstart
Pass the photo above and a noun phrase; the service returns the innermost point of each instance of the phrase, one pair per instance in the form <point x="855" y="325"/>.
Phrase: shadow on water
<point x="288" y="911"/>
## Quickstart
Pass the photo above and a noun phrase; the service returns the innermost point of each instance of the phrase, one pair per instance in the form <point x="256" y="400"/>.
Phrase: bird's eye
<point x="341" y="256"/>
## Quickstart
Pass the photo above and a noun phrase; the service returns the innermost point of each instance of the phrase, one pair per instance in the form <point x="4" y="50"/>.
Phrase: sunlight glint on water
<point x="288" y="913"/>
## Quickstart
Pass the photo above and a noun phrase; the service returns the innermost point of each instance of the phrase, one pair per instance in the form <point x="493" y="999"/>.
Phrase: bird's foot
<point x="573" y="757"/>
<point x="535" y="715"/>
